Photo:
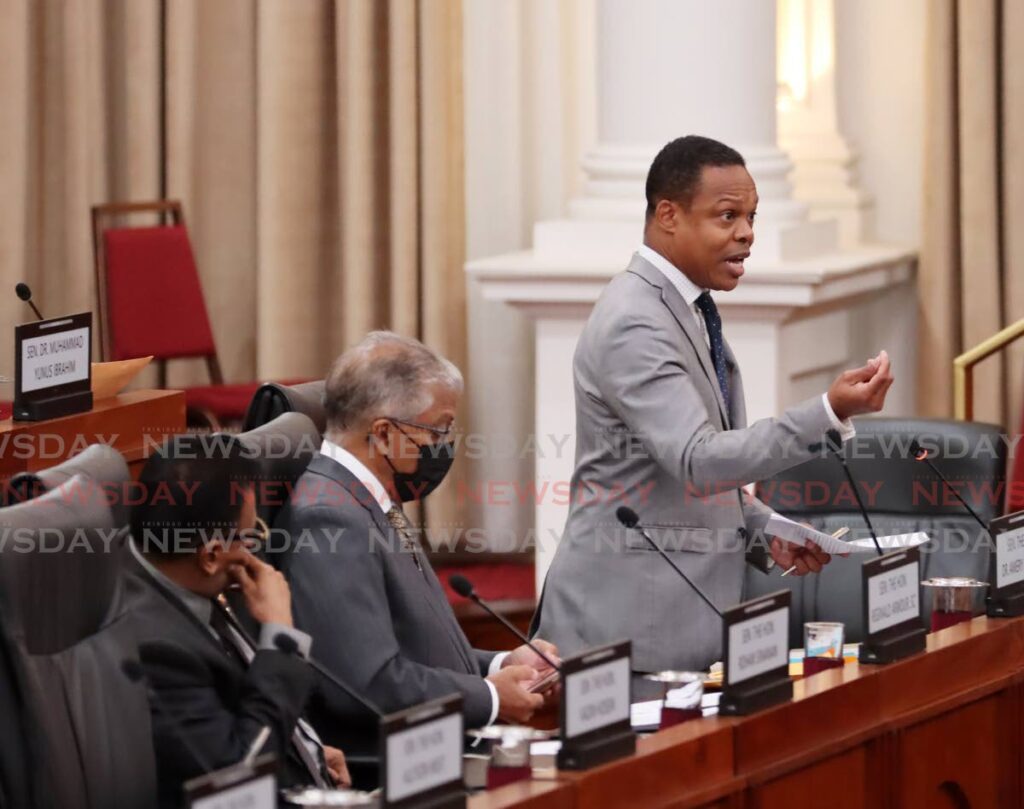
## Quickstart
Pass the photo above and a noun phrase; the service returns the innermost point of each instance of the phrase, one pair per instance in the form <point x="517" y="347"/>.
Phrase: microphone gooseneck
<point x="834" y="443"/>
<point x="631" y="520"/>
<point x="921" y="454"/>
<point x="463" y="587"/>
<point x="286" y="643"/>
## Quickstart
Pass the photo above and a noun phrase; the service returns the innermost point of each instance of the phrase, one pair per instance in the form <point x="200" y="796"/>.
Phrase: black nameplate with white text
<point x="595" y="707"/>
<point x="421" y="756"/>
<point x="1006" y="567"/>
<point x="253" y="786"/>
<point x="53" y="368"/>
<point x="891" y="594"/>
<point x="755" y="654"/>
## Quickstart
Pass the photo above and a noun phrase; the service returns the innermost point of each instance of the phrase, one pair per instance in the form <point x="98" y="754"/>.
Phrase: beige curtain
<point x="316" y="145"/>
<point x="972" y="258"/>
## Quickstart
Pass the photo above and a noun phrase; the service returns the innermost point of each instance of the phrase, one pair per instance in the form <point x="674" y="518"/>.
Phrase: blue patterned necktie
<point x="714" y="326"/>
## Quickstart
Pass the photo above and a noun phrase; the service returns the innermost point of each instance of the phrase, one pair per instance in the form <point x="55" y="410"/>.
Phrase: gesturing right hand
<point x="861" y="390"/>
<point x="266" y="592"/>
<point x="515" y="703"/>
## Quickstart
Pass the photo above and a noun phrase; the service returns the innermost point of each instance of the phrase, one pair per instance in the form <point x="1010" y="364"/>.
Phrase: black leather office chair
<point x="273" y="399"/>
<point x="902" y="495"/>
<point x="62" y="597"/>
<point x="284" y="447"/>
<point x="99" y="462"/>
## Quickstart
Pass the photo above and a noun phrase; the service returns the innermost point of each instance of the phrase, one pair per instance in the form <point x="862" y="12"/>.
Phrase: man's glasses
<point x="256" y="537"/>
<point x="443" y="432"/>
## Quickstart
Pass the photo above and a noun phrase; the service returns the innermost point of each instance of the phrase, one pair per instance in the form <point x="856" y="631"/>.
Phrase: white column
<point x="825" y="167"/>
<point x="675" y="67"/>
<point x="667" y="68"/>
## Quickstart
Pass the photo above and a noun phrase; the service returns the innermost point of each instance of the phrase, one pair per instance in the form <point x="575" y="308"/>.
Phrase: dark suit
<point x="21" y="761"/>
<point x="219" y="702"/>
<point x="378" y="620"/>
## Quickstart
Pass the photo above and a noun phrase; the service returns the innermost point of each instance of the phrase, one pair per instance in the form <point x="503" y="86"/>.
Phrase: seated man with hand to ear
<point x="211" y="682"/>
<point x="367" y="592"/>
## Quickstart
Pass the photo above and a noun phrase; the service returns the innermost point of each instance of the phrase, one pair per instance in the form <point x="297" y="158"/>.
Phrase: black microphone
<point x="921" y="454"/>
<point x="461" y="585"/>
<point x="24" y="291"/>
<point x="630" y="519"/>
<point x="834" y="443"/>
<point x="133" y="671"/>
<point x="286" y="643"/>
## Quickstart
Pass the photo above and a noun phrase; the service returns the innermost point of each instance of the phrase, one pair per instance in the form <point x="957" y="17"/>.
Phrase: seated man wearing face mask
<point x="361" y="585"/>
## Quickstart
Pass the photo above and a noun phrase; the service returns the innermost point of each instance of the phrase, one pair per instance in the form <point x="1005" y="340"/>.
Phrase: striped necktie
<point x="714" y="326"/>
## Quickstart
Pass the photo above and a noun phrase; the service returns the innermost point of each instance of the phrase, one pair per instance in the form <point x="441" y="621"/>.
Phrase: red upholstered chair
<point x="151" y="302"/>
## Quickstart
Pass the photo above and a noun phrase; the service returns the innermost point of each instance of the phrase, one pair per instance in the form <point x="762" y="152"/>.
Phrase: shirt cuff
<point x="270" y="631"/>
<point x="494" y="702"/>
<point x="845" y="429"/>
<point x="492" y="667"/>
<point x="496" y="663"/>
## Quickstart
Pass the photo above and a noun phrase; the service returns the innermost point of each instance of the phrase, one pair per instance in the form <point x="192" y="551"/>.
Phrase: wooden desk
<point x="134" y="424"/>
<point x="942" y="729"/>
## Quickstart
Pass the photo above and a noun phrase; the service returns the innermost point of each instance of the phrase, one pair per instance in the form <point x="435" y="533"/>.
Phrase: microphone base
<point x="891" y="649"/>
<point x="576" y="755"/>
<point x="1010" y="605"/>
<point x="747" y="698"/>
<point x="52" y="408"/>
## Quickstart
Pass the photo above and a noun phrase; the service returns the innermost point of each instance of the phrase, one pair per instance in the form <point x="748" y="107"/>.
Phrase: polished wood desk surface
<point x="933" y="730"/>
<point x="133" y="423"/>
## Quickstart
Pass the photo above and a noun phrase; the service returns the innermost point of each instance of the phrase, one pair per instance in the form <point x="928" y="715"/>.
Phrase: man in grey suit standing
<point x="362" y="586"/>
<point x="661" y="427"/>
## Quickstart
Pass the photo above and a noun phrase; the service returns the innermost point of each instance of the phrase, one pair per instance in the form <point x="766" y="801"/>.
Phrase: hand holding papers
<point x="837" y="534"/>
<point x="791" y="531"/>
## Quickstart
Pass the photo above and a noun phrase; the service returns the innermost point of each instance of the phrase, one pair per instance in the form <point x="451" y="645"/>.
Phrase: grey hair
<point x="385" y="374"/>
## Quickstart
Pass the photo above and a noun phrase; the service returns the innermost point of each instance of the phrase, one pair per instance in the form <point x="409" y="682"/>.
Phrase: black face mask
<point x="434" y="462"/>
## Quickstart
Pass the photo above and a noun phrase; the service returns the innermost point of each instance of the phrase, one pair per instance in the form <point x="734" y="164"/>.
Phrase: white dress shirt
<point x="361" y="473"/>
<point x="690" y="292"/>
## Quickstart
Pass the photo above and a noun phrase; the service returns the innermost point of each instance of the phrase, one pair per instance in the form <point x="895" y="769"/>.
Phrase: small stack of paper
<point x="798" y="534"/>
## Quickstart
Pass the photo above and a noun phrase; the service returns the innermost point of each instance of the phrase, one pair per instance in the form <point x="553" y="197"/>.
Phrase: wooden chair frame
<point x="169" y="212"/>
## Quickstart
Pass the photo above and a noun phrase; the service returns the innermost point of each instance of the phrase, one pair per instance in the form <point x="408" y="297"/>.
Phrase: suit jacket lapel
<point x="164" y="592"/>
<point x="684" y="317"/>
<point x="435" y="596"/>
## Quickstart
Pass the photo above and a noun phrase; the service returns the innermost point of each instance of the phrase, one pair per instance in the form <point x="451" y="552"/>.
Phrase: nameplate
<point x="891" y="591"/>
<point x="53" y="372"/>
<point x="421" y="756"/>
<point x="758" y="645"/>
<point x="596" y="691"/>
<point x="238" y="787"/>
<point x="755" y="653"/>
<point x="1006" y="567"/>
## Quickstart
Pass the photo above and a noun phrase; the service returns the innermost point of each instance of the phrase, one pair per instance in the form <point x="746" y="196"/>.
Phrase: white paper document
<point x="892" y="542"/>
<point x="646" y="716"/>
<point x="785" y="528"/>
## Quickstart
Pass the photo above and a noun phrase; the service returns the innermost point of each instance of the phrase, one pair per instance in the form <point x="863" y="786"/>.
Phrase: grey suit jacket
<point x="652" y="433"/>
<point x="377" y="620"/>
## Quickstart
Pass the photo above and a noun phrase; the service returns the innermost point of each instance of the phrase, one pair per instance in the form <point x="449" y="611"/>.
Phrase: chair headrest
<point x="273" y="399"/>
<point x="99" y="462"/>
<point x="60" y="558"/>
<point x="284" y="447"/>
<point x="970" y="454"/>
